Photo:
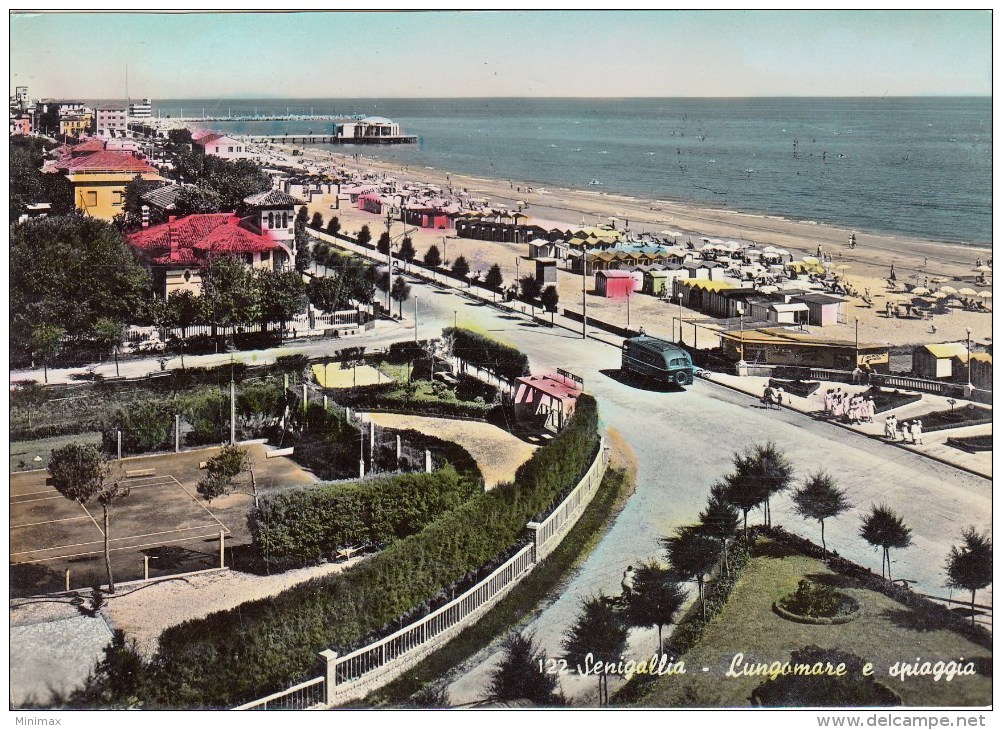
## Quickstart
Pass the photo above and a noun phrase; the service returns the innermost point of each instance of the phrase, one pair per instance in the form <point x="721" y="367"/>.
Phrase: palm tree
<point x="692" y="554"/>
<point x="820" y="499"/>
<point x="655" y="599"/>
<point x="885" y="528"/>
<point x="598" y="631"/>
<point x="719" y="519"/>
<point x="970" y="566"/>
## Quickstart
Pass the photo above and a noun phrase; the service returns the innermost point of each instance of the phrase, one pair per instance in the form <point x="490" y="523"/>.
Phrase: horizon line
<point x="968" y="95"/>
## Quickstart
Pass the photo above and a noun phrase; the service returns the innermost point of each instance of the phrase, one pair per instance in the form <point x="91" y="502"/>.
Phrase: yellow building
<point x="99" y="181"/>
<point x="76" y="125"/>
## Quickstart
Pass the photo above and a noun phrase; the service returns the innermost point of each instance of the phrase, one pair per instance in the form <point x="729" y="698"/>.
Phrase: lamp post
<point x="741" y="315"/>
<point x="969" y="388"/>
<point x="584" y="296"/>
<point x="415" y="317"/>
<point x="455" y="319"/>
<point x="856" y="363"/>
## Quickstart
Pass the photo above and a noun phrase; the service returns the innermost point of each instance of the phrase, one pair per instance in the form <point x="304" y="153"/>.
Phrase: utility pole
<point x="584" y="296"/>
<point x="233" y="406"/>
<point x="415" y="317"/>
<point x="389" y="257"/>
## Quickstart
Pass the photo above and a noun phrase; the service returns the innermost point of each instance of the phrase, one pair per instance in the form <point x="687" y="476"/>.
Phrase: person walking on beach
<point x="917" y="431"/>
<point x="906" y="432"/>
<point x="889" y="428"/>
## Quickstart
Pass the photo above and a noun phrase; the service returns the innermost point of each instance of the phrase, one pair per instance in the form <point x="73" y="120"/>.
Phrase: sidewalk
<point x="934" y="444"/>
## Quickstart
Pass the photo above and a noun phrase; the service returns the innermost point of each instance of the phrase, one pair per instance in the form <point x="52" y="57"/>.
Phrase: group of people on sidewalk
<point x="909" y="432"/>
<point x="773" y="396"/>
<point x="849" y="408"/>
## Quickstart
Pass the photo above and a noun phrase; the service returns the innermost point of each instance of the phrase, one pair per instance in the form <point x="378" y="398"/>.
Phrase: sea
<point x="916" y="166"/>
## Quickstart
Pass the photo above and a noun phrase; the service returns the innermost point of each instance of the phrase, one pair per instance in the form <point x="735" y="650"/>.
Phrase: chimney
<point x="172" y="239"/>
<point x="146" y="216"/>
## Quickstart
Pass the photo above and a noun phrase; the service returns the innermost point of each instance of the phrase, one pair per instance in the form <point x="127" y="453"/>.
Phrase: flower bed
<point x="888" y="400"/>
<point x="971" y="444"/>
<point x="817" y="604"/>
<point x="803" y="388"/>
<point x="968" y="415"/>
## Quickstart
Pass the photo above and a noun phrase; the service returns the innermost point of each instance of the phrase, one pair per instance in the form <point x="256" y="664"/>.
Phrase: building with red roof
<point x="99" y="175"/>
<point x="176" y="251"/>
<point x="219" y="145"/>
<point x="547" y="401"/>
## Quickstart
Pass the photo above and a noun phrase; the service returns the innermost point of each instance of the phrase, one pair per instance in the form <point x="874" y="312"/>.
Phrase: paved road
<point x="683" y="442"/>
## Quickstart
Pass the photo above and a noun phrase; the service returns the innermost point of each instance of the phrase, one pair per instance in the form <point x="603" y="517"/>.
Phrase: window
<point x="285" y="220"/>
<point x="229" y="149"/>
<point x="266" y="255"/>
<point x="91" y="198"/>
<point x="117" y="197"/>
<point x="271" y="220"/>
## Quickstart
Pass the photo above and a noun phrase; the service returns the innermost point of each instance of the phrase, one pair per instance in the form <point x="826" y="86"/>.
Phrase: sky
<point x="701" y="53"/>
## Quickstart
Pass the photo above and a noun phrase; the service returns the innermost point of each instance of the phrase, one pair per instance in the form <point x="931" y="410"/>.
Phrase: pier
<point x="329" y="139"/>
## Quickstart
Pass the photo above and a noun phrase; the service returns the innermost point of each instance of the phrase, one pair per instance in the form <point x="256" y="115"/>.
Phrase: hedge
<point x="305" y="526"/>
<point x="487" y="354"/>
<point x="260" y="647"/>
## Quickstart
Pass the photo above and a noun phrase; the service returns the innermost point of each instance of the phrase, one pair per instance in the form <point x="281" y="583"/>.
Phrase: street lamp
<point x="968" y="358"/>
<point x="856" y="363"/>
<point x="584" y="296"/>
<point x="741" y="315"/>
<point x="455" y="319"/>
<point x="415" y="317"/>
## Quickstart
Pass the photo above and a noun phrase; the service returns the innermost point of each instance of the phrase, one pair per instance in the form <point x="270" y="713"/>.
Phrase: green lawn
<point x="886" y="632"/>
<point x="23" y="453"/>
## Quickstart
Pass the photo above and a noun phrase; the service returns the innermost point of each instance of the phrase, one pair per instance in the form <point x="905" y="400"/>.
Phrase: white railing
<point x="303" y="696"/>
<point x="363" y="670"/>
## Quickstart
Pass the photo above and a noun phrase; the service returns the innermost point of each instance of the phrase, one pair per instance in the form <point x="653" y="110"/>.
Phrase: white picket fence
<point x="364" y="670"/>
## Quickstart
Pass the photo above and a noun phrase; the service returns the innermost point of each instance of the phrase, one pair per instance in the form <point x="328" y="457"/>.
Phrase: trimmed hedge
<point x="487" y="354"/>
<point x="235" y="656"/>
<point x="304" y="526"/>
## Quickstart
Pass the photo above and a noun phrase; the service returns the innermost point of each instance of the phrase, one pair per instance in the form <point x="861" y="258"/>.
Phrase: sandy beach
<point x="868" y="265"/>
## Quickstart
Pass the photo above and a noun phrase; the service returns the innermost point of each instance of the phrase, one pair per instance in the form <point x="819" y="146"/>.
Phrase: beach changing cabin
<point x="547" y="401"/>
<point x="614" y="284"/>
<point x="944" y="360"/>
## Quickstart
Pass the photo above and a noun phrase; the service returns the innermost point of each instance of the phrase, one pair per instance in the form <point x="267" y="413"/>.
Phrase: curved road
<point x="684" y="441"/>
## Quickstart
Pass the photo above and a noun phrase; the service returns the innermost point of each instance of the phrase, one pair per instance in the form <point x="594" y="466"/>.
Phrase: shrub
<point x="146" y="425"/>
<point x="234" y="656"/>
<point x="814" y="600"/>
<point x="487" y="354"/>
<point x="799" y="690"/>
<point x="305" y="526"/>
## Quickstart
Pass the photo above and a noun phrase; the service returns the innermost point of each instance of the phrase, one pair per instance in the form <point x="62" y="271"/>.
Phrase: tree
<point x="117" y="681"/>
<point x="317" y="221"/>
<point x="383" y="281"/>
<point x="281" y="296"/>
<point x="45" y="342"/>
<point x="303" y="216"/>
<point x="885" y="528"/>
<point x="407" y="252"/>
<point x="72" y="271"/>
<point x="969" y="567"/>
<point x="494" y="279"/>
<point x="692" y="554"/>
<point x="383" y="245"/>
<point x="304" y="256"/>
<point x="28" y="184"/>
<point x="655" y="599"/>
<point x="819" y="499"/>
<point x="460" y="268"/>
<point x="853" y="689"/>
<point x="110" y="335"/>
<point x="432" y="257"/>
<point x="400" y="292"/>
<point x="179" y="136"/>
<point x="183" y="310"/>
<point x="229" y="292"/>
<point x="599" y="634"/>
<point x="364" y="236"/>
<point x="334" y="226"/>
<point x="550" y="298"/>
<point x="80" y="473"/>
<point x="519" y="675"/>
<point x="761" y="471"/>
<point x="222" y="469"/>
<point x="719" y="520"/>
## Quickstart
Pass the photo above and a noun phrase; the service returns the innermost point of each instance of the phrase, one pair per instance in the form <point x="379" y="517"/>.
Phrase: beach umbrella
<point x="985" y="294"/>
<point x="939" y="295"/>
<point x="967" y="292"/>
<point x="842" y="267"/>
<point x="810" y="260"/>
<point x="984" y="269"/>
<point x="948" y="290"/>
<point x="941" y="279"/>
<point x="919" y="291"/>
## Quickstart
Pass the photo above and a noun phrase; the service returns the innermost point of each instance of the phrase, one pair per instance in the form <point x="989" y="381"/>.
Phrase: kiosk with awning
<point x="547" y="401"/>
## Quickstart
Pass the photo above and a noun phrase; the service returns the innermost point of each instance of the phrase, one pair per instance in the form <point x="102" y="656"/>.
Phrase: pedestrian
<point x="627" y="583"/>
<point x="767" y="396"/>
<point x="779" y="397"/>
<point x="889" y="428"/>
<point x="917" y="431"/>
<point x="906" y="432"/>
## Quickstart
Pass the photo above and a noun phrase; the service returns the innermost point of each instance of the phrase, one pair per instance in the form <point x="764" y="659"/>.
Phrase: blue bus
<point x="657" y="360"/>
